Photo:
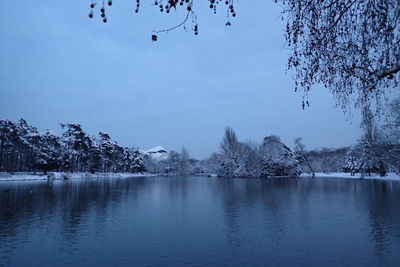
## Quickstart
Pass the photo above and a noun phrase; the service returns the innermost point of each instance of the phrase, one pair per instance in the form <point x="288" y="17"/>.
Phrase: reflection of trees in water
<point x="250" y="206"/>
<point x="260" y="198"/>
<point x="231" y="192"/>
<point x="233" y="225"/>
<point x="382" y="204"/>
<point x="178" y="186"/>
<point x="29" y="205"/>
<point x="12" y="205"/>
<point x="278" y="196"/>
<point x="379" y="200"/>
<point x="67" y="204"/>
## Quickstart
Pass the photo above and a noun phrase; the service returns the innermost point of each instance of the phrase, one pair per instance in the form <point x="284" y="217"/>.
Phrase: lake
<point x="199" y="221"/>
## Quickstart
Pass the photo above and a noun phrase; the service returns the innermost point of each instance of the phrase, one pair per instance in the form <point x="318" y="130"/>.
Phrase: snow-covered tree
<point x="251" y="159"/>
<point x="351" y="163"/>
<point x="50" y="148"/>
<point x="371" y="159"/>
<point x="272" y="158"/>
<point x="77" y="147"/>
<point x="138" y="165"/>
<point x="184" y="161"/>
<point x="301" y="155"/>
<point x="210" y="165"/>
<point x="391" y="137"/>
<point x="107" y="151"/>
<point x="326" y="160"/>
<point x="229" y="160"/>
<point x="23" y="148"/>
<point x="279" y="160"/>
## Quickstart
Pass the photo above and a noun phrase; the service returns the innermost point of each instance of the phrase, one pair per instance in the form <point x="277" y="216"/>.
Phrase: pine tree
<point x="137" y="162"/>
<point x="351" y="164"/>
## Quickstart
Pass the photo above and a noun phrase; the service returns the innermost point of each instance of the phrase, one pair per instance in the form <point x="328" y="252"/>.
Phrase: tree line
<point x="246" y="159"/>
<point x="174" y="164"/>
<point x="24" y="149"/>
<point x="376" y="151"/>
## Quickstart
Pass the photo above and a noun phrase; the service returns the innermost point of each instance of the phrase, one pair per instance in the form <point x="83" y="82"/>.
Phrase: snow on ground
<point x="60" y="176"/>
<point x="389" y="176"/>
<point x="64" y="175"/>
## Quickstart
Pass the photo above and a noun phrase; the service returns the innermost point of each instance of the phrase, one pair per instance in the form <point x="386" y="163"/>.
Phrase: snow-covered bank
<point x="65" y="175"/>
<point x="389" y="176"/>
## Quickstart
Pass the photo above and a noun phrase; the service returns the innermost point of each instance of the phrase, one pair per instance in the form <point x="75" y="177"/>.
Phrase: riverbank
<point x="65" y="176"/>
<point x="389" y="176"/>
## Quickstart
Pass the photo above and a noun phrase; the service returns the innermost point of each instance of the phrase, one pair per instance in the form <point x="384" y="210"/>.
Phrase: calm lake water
<point x="198" y="221"/>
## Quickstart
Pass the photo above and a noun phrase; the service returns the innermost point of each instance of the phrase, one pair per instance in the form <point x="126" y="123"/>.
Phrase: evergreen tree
<point x="137" y="162"/>
<point x="351" y="164"/>
<point x="23" y="148"/>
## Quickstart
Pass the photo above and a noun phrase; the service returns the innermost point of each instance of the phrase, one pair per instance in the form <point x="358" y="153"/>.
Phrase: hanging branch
<point x="165" y="6"/>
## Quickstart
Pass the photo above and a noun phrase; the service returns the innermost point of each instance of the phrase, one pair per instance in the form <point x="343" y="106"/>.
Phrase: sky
<point x="59" y="66"/>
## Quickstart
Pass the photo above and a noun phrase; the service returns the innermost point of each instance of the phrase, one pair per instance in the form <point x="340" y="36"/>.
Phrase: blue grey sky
<point x="57" y="65"/>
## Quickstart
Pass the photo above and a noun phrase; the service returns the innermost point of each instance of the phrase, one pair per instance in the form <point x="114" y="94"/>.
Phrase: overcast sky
<point x="57" y="65"/>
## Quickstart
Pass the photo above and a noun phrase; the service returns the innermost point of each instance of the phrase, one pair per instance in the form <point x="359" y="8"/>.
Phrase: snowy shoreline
<point x="66" y="175"/>
<point x="345" y="175"/>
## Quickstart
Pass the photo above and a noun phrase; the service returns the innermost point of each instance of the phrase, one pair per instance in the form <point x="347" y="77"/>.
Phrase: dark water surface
<point x="199" y="221"/>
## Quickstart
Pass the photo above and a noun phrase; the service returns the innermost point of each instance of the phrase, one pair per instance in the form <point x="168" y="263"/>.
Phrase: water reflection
<point x="381" y="201"/>
<point x="27" y="203"/>
<point x="209" y="221"/>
